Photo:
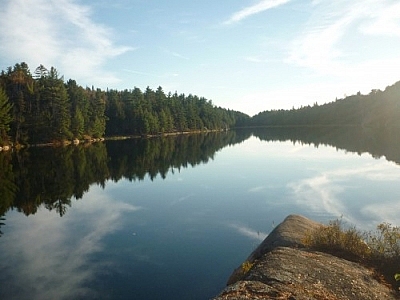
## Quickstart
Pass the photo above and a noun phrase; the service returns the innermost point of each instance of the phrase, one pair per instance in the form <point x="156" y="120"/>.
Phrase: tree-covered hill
<point x="41" y="107"/>
<point x="378" y="109"/>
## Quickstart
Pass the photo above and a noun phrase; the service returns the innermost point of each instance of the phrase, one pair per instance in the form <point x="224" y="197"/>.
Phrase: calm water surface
<point x="171" y="219"/>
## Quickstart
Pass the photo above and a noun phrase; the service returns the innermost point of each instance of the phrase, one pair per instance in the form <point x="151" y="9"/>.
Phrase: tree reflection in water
<point x="51" y="177"/>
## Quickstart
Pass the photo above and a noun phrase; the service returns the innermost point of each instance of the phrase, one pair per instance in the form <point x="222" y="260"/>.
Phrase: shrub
<point x="378" y="249"/>
<point x="246" y="266"/>
<point x="385" y="242"/>
<point x="347" y="243"/>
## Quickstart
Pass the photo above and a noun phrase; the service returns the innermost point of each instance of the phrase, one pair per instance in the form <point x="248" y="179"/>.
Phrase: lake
<point x="170" y="218"/>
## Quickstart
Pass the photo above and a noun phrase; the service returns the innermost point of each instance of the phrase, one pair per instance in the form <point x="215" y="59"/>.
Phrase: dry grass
<point x="378" y="249"/>
<point x="246" y="266"/>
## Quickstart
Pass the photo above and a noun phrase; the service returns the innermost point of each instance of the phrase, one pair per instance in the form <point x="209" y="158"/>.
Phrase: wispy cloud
<point x="340" y="41"/>
<point x="324" y="41"/>
<point x="57" y="33"/>
<point x="166" y="75"/>
<point x="255" y="59"/>
<point x="175" y="54"/>
<point x="140" y="73"/>
<point x="256" y="189"/>
<point x="254" y="9"/>
<point x="317" y="46"/>
<point x="385" y="20"/>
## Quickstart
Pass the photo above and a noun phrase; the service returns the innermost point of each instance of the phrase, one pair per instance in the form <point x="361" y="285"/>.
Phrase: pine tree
<point x="5" y="117"/>
<point x="54" y="107"/>
<point x="96" y="126"/>
<point x="79" y="106"/>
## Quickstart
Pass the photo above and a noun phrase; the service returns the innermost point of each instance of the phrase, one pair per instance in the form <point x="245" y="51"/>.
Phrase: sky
<point x="246" y="55"/>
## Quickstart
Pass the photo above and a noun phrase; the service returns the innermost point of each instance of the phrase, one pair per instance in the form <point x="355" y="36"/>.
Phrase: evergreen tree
<point x="115" y="111"/>
<point x="96" y="126"/>
<point x="45" y="109"/>
<point x="54" y="107"/>
<point x="79" y="106"/>
<point x="5" y="117"/>
<point x="19" y="89"/>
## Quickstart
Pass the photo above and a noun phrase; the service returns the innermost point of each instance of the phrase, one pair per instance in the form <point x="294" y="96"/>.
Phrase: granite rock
<point x="283" y="268"/>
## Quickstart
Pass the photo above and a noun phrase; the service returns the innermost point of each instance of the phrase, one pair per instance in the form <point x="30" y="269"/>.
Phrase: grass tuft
<point x="246" y="266"/>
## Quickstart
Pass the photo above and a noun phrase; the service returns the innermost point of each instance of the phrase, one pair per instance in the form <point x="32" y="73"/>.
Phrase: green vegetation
<point x="378" y="249"/>
<point x="42" y="108"/>
<point x="5" y="117"/>
<point x="378" y="109"/>
<point x="246" y="266"/>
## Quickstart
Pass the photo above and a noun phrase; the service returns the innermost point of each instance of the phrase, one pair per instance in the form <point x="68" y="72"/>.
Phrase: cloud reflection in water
<point x="54" y="254"/>
<point x="322" y="193"/>
<point x="250" y="233"/>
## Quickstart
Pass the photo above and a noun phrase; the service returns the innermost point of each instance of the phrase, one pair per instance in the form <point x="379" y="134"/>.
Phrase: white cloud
<point x="316" y="47"/>
<point x="385" y="20"/>
<point x="254" y="9"/>
<point x="334" y="25"/>
<point x="60" y="34"/>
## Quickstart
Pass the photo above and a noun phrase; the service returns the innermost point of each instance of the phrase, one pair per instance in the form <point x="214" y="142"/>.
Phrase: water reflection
<point x="333" y="190"/>
<point x="377" y="142"/>
<point x="51" y="177"/>
<point x="132" y="218"/>
<point x="249" y="232"/>
<point x="54" y="258"/>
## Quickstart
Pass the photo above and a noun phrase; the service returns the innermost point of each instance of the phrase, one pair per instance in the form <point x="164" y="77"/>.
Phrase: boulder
<point x="283" y="268"/>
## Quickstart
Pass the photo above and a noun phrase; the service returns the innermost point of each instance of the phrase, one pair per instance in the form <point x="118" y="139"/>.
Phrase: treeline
<point x="378" y="109"/>
<point x="41" y="107"/>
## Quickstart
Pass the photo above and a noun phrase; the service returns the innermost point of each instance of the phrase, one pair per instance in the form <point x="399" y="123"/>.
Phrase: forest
<point x="378" y="109"/>
<point x="42" y="108"/>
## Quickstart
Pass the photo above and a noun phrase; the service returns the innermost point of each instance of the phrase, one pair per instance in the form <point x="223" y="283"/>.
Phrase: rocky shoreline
<point x="282" y="267"/>
<point x="89" y="140"/>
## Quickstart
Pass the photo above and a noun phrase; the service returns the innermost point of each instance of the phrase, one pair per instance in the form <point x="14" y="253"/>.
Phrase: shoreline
<point x="90" y="140"/>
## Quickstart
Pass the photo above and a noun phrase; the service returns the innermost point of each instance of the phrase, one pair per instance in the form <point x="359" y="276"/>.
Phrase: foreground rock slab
<point x="283" y="268"/>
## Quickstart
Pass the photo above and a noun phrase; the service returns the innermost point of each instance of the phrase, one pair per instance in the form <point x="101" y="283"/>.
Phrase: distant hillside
<point x="378" y="109"/>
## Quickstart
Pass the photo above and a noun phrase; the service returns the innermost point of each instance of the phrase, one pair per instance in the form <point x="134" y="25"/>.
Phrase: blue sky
<point x="247" y="55"/>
